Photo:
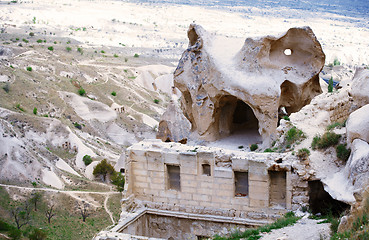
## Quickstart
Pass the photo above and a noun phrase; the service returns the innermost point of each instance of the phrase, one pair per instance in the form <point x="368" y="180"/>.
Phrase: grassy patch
<point x="66" y="224"/>
<point x="328" y="139"/>
<point x="253" y="147"/>
<point x="336" y="125"/>
<point x="303" y="153"/>
<point x="294" y="134"/>
<point x="342" y="152"/>
<point x="251" y="234"/>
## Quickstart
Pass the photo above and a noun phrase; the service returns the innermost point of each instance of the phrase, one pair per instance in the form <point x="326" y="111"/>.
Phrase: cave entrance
<point x="237" y="120"/>
<point x="321" y="202"/>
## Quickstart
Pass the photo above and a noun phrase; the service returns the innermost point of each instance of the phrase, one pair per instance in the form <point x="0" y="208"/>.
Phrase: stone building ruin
<point x="226" y="90"/>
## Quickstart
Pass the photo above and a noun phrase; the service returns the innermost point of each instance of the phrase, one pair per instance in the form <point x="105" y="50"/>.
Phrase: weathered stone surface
<point x="358" y="164"/>
<point x="360" y="87"/>
<point x="227" y="87"/>
<point x="174" y="126"/>
<point x="357" y="125"/>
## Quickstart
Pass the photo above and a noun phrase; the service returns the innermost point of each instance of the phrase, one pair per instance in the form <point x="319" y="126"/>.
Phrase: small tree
<point x="21" y="214"/>
<point x="84" y="209"/>
<point x="36" y="197"/>
<point x="49" y="213"/>
<point x="103" y="169"/>
<point x="87" y="159"/>
<point x="330" y="85"/>
<point x="35" y="111"/>
<point x="118" y="180"/>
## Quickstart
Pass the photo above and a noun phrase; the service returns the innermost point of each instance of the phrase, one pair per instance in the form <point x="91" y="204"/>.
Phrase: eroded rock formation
<point x="360" y="87"/>
<point x="228" y="87"/>
<point x="173" y="127"/>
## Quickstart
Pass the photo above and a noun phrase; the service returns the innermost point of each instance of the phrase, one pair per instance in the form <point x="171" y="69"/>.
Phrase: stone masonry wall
<point x="147" y="178"/>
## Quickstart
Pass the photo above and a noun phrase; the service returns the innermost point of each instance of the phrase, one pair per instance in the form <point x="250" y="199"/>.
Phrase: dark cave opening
<point x="321" y="202"/>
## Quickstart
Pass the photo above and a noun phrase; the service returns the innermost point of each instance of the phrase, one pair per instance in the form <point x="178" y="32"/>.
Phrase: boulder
<point x="230" y="85"/>
<point x="360" y="87"/>
<point x="173" y="126"/>
<point x="357" y="125"/>
<point x="357" y="166"/>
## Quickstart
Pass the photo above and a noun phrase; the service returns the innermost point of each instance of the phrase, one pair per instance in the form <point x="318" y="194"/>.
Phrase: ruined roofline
<point x="205" y="217"/>
<point x="156" y="145"/>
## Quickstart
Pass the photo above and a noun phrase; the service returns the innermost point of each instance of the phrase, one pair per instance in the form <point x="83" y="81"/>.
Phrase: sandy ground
<point x="162" y="28"/>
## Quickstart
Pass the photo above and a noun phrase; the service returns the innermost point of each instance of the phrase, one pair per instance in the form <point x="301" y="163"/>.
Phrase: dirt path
<point x="304" y="229"/>
<point x="107" y="209"/>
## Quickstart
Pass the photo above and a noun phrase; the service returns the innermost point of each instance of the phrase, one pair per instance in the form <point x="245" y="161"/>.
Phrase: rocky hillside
<point x="60" y="102"/>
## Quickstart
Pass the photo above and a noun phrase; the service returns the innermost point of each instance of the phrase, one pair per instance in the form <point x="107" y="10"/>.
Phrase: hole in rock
<point x="321" y="202"/>
<point x="287" y="52"/>
<point x="237" y="122"/>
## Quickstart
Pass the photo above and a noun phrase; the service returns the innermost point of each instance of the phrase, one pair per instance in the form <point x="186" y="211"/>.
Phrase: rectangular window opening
<point x="206" y="170"/>
<point x="277" y="188"/>
<point x="174" y="178"/>
<point x="241" y="180"/>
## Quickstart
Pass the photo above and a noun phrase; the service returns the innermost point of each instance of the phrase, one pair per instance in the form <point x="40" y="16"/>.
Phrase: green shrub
<point x="25" y="40"/>
<point x="253" y="147"/>
<point x="286" y="118"/>
<point x="342" y="152"/>
<point x="336" y="62"/>
<point x="330" y="85"/>
<point x="114" y="93"/>
<point x="80" y="50"/>
<point x="240" y="147"/>
<point x="68" y="49"/>
<point x="35" y="111"/>
<point x="328" y="139"/>
<point x="55" y="42"/>
<point x="39" y="41"/>
<point x="5" y="226"/>
<point x="81" y="91"/>
<point x="268" y="150"/>
<point x="77" y="125"/>
<point x="31" y="34"/>
<point x="303" y="153"/>
<point x="87" y="159"/>
<point x="29" y="69"/>
<point x="156" y="101"/>
<point x="51" y="48"/>
<point x="117" y="179"/>
<point x="15" y="234"/>
<point x="102" y="51"/>
<point x="37" y="234"/>
<point x="294" y="134"/>
<point x="136" y="55"/>
<point x="116" y="55"/>
<point x="19" y="107"/>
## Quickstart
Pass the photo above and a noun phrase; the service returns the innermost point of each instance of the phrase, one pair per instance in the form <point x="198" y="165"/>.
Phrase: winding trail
<point x="107" y="209"/>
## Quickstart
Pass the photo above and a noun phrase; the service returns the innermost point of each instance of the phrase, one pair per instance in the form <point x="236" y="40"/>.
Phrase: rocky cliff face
<point x="229" y="87"/>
